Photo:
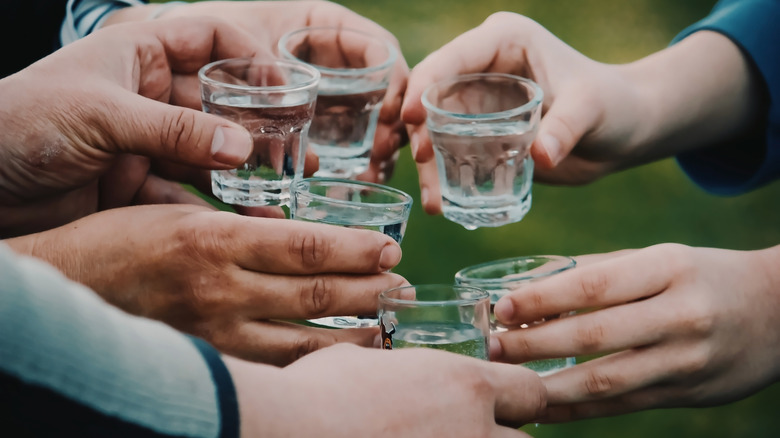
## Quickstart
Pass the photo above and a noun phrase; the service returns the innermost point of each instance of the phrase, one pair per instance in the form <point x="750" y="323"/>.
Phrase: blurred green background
<point x="636" y="208"/>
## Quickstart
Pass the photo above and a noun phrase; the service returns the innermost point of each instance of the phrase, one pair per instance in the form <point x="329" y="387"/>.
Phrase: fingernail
<point x="414" y="144"/>
<point x="552" y="146"/>
<point x="391" y="255"/>
<point x="230" y="145"/>
<point x="424" y="195"/>
<point x="504" y="311"/>
<point x="378" y="341"/>
<point x="495" y="348"/>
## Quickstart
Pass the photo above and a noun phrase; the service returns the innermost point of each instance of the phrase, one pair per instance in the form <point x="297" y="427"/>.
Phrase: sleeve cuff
<point x="226" y="391"/>
<point x="735" y="168"/>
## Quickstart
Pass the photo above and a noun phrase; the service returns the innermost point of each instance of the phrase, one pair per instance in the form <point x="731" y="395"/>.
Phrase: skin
<point x="230" y="279"/>
<point x="606" y="117"/>
<point x="671" y="325"/>
<point x="71" y="166"/>
<point x="409" y="392"/>
<point x="267" y="21"/>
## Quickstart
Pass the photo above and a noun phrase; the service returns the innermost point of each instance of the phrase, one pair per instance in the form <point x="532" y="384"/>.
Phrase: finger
<point x="267" y="212"/>
<point x="520" y="394"/>
<point x="616" y="328"/>
<point x="192" y="42"/>
<point x="647" y="398"/>
<point x="507" y="432"/>
<point x="478" y="42"/>
<point x="387" y="141"/>
<point x="420" y="143"/>
<point x="156" y="190"/>
<point x="182" y="135"/>
<point x="611" y="376"/>
<point x="610" y="282"/>
<point x="589" y="259"/>
<point x="294" y="247"/>
<point x="309" y="297"/>
<point x="391" y="104"/>
<point x="430" y="192"/>
<point x="281" y="343"/>
<point x="561" y="128"/>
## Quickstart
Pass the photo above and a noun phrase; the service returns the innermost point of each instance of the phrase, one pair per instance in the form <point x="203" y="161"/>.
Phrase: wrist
<point x="684" y="104"/>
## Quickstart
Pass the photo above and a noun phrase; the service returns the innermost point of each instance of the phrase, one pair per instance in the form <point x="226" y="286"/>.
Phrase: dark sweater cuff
<point x="226" y="391"/>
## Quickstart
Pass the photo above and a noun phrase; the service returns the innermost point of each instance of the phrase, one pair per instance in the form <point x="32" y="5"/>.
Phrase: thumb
<point x="560" y="130"/>
<point x="181" y="135"/>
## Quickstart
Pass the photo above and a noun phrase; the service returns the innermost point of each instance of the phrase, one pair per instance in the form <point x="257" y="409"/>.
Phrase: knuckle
<point x="594" y="285"/>
<point x="598" y="384"/>
<point x="590" y="338"/>
<point x="316" y="296"/>
<point x="518" y="347"/>
<point x="694" y="361"/>
<point x="179" y="131"/>
<point x="303" y="346"/>
<point x="310" y="249"/>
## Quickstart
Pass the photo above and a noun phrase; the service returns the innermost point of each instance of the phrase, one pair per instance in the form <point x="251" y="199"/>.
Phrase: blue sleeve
<point x="754" y="160"/>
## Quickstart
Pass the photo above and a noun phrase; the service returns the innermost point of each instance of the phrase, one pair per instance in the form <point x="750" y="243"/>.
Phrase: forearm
<point x="98" y="368"/>
<point x="699" y="92"/>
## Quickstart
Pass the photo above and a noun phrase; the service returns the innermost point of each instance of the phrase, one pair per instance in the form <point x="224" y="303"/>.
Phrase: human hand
<point x="228" y="278"/>
<point x="674" y="326"/>
<point x="268" y="21"/>
<point x="409" y="393"/>
<point x="603" y="118"/>
<point x="60" y="140"/>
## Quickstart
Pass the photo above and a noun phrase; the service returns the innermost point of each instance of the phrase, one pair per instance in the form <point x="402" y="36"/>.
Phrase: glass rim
<point x="405" y="199"/>
<point x="536" y="100"/>
<point x="462" y="275"/>
<point x="313" y="81"/>
<point x="482" y="294"/>
<point x="392" y="52"/>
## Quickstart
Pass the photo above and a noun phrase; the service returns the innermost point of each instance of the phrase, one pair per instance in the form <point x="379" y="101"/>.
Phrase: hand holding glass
<point x="355" y="69"/>
<point x="482" y="126"/>
<point x="274" y="101"/>
<point x="500" y="277"/>
<point x="351" y="204"/>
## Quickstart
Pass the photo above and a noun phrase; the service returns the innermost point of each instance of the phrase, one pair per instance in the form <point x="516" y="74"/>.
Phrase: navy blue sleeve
<point x="226" y="391"/>
<point x="754" y="160"/>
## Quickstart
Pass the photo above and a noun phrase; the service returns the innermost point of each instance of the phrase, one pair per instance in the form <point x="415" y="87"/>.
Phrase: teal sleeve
<point x="735" y="167"/>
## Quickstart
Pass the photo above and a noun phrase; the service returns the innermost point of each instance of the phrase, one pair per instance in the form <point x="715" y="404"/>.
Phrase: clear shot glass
<point x="274" y="101"/>
<point x="500" y="277"/>
<point x="351" y="204"/>
<point x="482" y="126"/>
<point x="355" y="69"/>
<point x="439" y="316"/>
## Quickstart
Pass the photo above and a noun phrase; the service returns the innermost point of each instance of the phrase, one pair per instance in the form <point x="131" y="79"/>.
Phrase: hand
<point x="60" y="140"/>
<point x="268" y="21"/>
<point x="603" y="118"/>
<point x="673" y="325"/>
<point x="228" y="278"/>
<point x="403" y="393"/>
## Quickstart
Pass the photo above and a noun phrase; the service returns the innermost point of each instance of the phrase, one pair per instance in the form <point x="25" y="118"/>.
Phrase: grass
<point x="631" y="209"/>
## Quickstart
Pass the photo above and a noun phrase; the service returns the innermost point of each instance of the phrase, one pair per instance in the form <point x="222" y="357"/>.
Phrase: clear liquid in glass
<point x="485" y="172"/>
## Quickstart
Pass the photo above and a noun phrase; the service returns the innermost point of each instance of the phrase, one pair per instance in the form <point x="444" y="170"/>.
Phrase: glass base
<point x="346" y="321"/>
<point x="475" y="217"/>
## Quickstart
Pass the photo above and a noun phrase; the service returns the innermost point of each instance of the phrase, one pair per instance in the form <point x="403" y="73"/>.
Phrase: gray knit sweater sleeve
<point x="72" y="365"/>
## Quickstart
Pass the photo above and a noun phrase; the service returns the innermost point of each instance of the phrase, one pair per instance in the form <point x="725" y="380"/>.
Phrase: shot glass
<point x="274" y="100"/>
<point x="500" y="277"/>
<point x="482" y="126"/>
<point x="355" y="69"/>
<point x="351" y="204"/>
<point x="439" y="316"/>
